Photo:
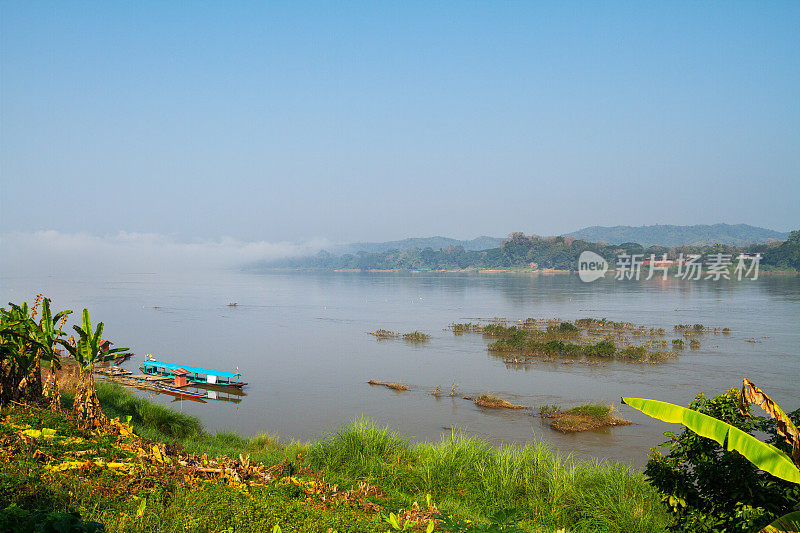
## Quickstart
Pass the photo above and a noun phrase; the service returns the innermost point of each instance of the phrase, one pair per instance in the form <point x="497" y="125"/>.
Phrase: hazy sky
<point x="296" y="121"/>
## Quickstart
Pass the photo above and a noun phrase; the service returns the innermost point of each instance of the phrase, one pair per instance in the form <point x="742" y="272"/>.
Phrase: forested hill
<point x="479" y="243"/>
<point x="529" y="252"/>
<point x="668" y="235"/>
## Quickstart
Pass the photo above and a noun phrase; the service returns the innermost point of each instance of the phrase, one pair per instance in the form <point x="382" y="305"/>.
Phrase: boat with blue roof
<point x="193" y="374"/>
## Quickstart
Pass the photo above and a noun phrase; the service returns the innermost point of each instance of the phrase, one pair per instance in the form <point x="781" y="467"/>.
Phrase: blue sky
<point x="344" y="121"/>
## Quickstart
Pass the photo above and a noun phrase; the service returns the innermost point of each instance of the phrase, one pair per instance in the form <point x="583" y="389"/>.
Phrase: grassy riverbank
<point x="464" y="477"/>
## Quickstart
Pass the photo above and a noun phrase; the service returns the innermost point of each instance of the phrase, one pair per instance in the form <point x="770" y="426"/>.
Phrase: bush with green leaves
<point x="711" y="489"/>
<point x="14" y="518"/>
<point x="501" y="521"/>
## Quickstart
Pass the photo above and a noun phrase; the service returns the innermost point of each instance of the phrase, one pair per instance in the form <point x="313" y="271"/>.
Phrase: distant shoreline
<point x="459" y="271"/>
<point x="544" y="271"/>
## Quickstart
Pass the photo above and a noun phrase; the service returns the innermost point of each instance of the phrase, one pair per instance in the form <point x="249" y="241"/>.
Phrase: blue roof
<point x="193" y="369"/>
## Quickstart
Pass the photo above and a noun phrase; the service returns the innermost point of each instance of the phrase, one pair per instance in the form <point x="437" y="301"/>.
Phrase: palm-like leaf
<point x="786" y="524"/>
<point x="764" y="456"/>
<point x="87" y="350"/>
<point x="752" y="395"/>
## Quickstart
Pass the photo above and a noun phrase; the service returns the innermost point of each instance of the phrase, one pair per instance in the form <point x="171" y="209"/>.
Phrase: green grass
<point x="154" y="420"/>
<point x="473" y="479"/>
<point x="152" y="502"/>
<point x="465" y="477"/>
<point x="416" y="336"/>
<point x="594" y="410"/>
<point x="159" y="423"/>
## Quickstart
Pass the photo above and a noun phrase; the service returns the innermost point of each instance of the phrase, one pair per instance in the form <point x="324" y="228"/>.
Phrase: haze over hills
<point x="669" y="235"/>
<point x="529" y="253"/>
<point x="662" y="235"/>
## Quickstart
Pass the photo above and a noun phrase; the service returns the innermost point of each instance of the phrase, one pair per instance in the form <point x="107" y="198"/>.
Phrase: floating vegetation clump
<point x="694" y="344"/>
<point x="467" y="327"/>
<point x="582" y="418"/>
<point x="564" y="327"/>
<point x="549" y="411"/>
<point x="593" y="339"/>
<point x="389" y="384"/>
<point x="633" y="352"/>
<point x="384" y="334"/>
<point x="493" y="402"/>
<point x="416" y="336"/>
<point x="520" y="342"/>
<point x="697" y="329"/>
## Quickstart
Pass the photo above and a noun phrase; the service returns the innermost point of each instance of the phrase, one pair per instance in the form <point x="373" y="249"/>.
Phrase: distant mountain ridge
<point x="479" y="243"/>
<point x="670" y="235"/>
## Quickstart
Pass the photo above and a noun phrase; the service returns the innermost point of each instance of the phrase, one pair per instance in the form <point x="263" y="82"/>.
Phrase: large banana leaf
<point x="764" y="456"/>
<point x="789" y="523"/>
<point x="752" y="395"/>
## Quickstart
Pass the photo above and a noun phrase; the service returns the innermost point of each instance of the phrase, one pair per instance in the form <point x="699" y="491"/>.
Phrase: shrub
<point x="711" y="489"/>
<point x="13" y="518"/>
<point x="604" y="348"/>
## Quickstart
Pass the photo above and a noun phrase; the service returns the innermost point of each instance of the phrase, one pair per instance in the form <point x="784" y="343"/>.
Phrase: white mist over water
<point x="55" y="253"/>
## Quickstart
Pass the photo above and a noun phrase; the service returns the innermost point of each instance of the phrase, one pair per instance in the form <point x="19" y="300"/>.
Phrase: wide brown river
<point x="300" y="340"/>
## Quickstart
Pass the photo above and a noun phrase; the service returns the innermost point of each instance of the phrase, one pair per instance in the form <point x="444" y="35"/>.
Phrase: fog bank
<point x="53" y="253"/>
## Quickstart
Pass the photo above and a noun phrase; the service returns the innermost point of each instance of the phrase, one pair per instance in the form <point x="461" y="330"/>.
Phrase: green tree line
<point x="523" y="251"/>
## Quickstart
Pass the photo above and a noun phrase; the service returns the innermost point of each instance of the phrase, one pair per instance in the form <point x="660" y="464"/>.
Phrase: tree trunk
<point x="51" y="392"/>
<point x="87" y="407"/>
<point x="9" y="382"/>
<point x="30" y="387"/>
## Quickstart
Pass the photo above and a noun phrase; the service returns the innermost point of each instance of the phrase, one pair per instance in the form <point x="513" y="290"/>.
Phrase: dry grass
<point x="493" y="402"/>
<point x="391" y="385"/>
<point x="67" y="375"/>
<point x="384" y="334"/>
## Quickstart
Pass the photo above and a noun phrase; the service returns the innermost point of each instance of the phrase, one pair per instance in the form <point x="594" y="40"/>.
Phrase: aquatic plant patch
<point x="493" y="402"/>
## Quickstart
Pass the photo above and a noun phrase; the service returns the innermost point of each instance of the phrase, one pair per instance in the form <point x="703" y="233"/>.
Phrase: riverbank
<point x="359" y="472"/>
<point x="673" y="272"/>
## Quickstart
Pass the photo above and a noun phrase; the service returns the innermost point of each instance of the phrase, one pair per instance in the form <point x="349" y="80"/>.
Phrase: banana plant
<point x="86" y="352"/>
<point x="22" y="346"/>
<point x="763" y="455"/>
<point x="50" y="335"/>
<point x="788" y="523"/>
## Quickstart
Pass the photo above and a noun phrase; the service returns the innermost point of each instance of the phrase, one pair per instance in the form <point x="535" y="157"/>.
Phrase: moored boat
<point x="193" y="374"/>
<point x="179" y="393"/>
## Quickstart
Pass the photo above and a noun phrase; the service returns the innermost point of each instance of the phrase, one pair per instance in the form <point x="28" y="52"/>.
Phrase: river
<point x="300" y="340"/>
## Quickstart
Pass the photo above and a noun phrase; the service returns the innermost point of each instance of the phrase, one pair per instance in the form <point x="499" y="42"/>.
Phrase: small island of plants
<point x="589" y="338"/>
<point x="586" y="417"/>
